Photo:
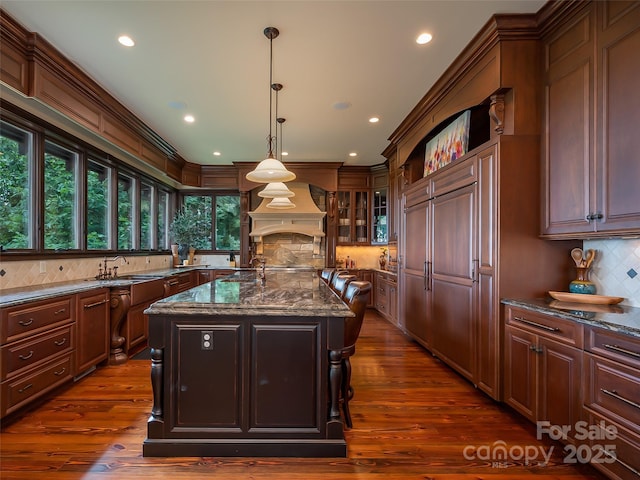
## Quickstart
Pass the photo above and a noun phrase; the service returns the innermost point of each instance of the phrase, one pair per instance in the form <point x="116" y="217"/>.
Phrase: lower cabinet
<point x="585" y="379"/>
<point x="92" y="327"/>
<point x="37" y="352"/>
<point x="385" y="298"/>
<point x="612" y="401"/>
<point x="543" y="368"/>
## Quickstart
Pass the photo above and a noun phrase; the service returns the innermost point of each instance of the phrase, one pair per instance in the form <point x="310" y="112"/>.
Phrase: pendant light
<point x="276" y="189"/>
<point x="270" y="169"/>
<point x="281" y="203"/>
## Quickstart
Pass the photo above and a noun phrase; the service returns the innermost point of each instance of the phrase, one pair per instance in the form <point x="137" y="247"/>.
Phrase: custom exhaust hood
<point x="306" y="218"/>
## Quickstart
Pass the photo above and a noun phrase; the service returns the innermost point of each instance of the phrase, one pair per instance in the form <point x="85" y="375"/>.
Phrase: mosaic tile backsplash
<point x="616" y="269"/>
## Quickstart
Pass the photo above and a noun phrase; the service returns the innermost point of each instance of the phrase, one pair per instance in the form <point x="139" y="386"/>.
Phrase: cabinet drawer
<point x="560" y="329"/>
<point x="614" y="346"/>
<point x="623" y="460"/>
<point x="15" y="393"/>
<point x="613" y="390"/>
<point x="18" y="356"/>
<point x="20" y="321"/>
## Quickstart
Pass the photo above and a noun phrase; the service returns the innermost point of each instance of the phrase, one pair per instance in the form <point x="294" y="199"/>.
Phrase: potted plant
<point x="189" y="230"/>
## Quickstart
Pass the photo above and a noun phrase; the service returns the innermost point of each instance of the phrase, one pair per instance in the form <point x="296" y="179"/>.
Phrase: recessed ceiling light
<point x="353" y="154"/>
<point x="217" y="154"/>
<point x="189" y="118"/>
<point x="126" y="40"/>
<point x="424" y="38"/>
<point x="284" y="154"/>
<point x="374" y="120"/>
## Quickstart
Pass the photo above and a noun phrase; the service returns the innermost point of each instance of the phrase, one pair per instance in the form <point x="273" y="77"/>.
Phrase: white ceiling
<point x="212" y="58"/>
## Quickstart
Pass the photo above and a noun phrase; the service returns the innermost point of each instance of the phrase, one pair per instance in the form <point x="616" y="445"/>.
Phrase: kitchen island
<point x="248" y="366"/>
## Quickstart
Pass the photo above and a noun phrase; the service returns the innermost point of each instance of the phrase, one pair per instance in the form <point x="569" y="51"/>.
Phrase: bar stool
<point x="340" y="281"/>
<point x="356" y="296"/>
<point x="326" y="274"/>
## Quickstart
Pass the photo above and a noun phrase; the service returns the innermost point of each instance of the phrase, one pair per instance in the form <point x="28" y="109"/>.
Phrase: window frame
<point x="214" y="194"/>
<point x="41" y="132"/>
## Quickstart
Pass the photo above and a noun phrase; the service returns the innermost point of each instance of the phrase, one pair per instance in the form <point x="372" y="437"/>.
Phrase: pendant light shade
<point x="271" y="169"/>
<point x="281" y="203"/>
<point x="274" y="190"/>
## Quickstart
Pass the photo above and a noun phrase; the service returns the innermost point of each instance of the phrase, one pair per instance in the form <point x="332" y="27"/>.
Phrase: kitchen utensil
<point x="589" y="257"/>
<point x="577" y="254"/>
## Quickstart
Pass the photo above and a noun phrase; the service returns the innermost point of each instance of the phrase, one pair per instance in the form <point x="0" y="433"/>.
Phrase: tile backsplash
<point x="616" y="269"/>
<point x="28" y="273"/>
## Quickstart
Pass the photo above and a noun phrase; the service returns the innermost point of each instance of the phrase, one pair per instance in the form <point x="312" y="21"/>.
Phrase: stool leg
<point x="347" y="391"/>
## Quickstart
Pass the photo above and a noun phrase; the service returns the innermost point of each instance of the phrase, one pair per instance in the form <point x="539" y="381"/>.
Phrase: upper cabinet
<point x="353" y="206"/>
<point x="380" y="205"/>
<point x="591" y="113"/>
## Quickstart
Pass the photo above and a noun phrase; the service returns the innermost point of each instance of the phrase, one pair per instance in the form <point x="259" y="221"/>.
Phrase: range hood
<point x="306" y="218"/>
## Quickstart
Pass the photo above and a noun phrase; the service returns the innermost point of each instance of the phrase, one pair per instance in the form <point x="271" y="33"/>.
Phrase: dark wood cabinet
<point x="385" y="296"/>
<point x="37" y="350"/>
<point x="416" y="263"/>
<point x="543" y="353"/>
<point x="611" y="397"/>
<point x="591" y="109"/>
<point x="92" y="326"/>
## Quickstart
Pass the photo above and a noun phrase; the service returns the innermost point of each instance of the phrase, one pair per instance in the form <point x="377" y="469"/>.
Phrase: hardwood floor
<point x="413" y="418"/>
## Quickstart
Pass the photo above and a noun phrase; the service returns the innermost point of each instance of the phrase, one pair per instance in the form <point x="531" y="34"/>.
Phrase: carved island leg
<point x="335" y="382"/>
<point x="120" y="303"/>
<point x="156" y="382"/>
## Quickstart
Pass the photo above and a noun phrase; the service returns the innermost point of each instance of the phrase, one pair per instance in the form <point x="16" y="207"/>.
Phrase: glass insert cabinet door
<point x="353" y="217"/>
<point x="379" y="214"/>
<point x="344" y="217"/>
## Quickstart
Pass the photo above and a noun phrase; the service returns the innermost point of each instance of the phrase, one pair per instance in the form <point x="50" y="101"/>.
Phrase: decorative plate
<point x="585" y="298"/>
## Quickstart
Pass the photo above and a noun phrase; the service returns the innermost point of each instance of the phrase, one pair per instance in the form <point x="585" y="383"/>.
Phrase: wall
<point x="616" y="269"/>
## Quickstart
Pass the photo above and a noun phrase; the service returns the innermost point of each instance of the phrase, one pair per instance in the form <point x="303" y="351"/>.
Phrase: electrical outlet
<point x="43" y="267"/>
<point x="206" y="340"/>
<point x="147" y="260"/>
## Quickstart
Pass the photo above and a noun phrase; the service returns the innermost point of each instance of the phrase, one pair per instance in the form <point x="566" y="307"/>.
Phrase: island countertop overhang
<point x="300" y="293"/>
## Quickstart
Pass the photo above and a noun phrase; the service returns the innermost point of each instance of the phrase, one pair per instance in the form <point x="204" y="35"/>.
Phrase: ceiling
<point x="210" y="59"/>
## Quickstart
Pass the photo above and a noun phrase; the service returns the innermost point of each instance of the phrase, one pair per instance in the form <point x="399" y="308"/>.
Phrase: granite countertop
<point x="618" y="318"/>
<point x="17" y="296"/>
<point x="284" y="292"/>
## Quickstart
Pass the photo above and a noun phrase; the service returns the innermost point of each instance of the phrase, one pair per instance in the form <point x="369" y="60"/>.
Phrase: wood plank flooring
<point x="413" y="418"/>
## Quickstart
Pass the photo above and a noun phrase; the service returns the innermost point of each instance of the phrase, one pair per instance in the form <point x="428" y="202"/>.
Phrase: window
<point x="218" y="226"/>
<point x="163" y="219"/>
<point x="146" y="228"/>
<point x="227" y="226"/>
<point x="15" y="185"/>
<point x="58" y="194"/>
<point x="125" y="212"/>
<point x="60" y="198"/>
<point x="98" y="206"/>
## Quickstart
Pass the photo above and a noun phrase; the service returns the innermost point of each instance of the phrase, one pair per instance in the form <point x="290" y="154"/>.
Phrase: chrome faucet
<point x="108" y="273"/>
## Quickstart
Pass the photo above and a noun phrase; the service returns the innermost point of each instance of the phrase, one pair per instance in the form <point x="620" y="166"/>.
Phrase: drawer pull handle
<point x="25" y="388"/>
<point x="58" y="312"/>
<point x="25" y="323"/>
<point x="60" y="372"/>
<point x="614" y="394"/>
<point x="613" y="456"/>
<point x="618" y="349"/>
<point x="59" y="343"/>
<point x="535" y="349"/>
<point x="91" y="305"/>
<point x="536" y="324"/>
<point x="171" y="284"/>
<point x="26" y="357"/>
